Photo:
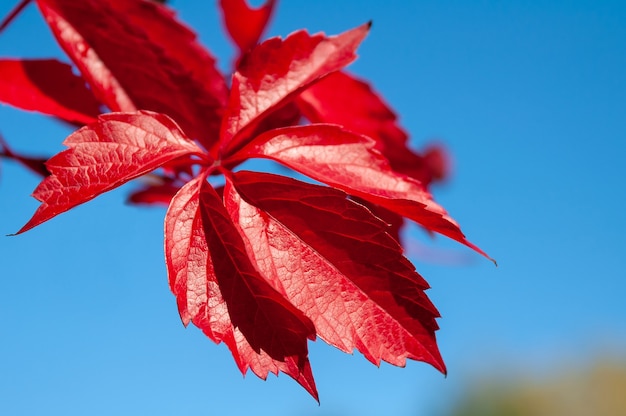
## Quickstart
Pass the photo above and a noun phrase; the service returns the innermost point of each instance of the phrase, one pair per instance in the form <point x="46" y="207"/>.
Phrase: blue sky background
<point x="530" y="100"/>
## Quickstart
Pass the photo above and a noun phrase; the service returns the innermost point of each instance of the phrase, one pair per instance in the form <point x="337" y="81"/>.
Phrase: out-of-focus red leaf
<point x="335" y="261"/>
<point x="34" y="164"/>
<point x="103" y="83"/>
<point x="288" y="115"/>
<point x="245" y="24"/>
<point x="285" y="116"/>
<point x="157" y="194"/>
<point x="103" y="155"/>
<point x="136" y="55"/>
<point x="431" y="165"/>
<point x="275" y="71"/>
<point x="349" y="162"/>
<point x="438" y="161"/>
<point x="49" y="87"/>
<point x="342" y="99"/>
<point x="221" y="292"/>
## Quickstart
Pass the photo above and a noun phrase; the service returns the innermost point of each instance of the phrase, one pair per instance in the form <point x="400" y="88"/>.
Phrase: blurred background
<point x="529" y="98"/>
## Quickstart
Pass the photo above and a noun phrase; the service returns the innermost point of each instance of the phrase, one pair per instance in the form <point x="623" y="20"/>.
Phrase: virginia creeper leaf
<point x="49" y="87"/>
<point x="335" y="261"/>
<point x="221" y="292"/>
<point x="245" y="24"/>
<point x="135" y="54"/>
<point x="276" y="70"/>
<point x="103" y="155"/>
<point x="349" y="162"/>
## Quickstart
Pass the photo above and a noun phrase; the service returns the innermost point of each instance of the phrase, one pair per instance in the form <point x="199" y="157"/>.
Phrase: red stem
<point x="4" y="147"/>
<point x="13" y="14"/>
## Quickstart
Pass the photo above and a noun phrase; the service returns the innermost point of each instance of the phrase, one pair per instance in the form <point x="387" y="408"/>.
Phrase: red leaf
<point x="349" y="162"/>
<point x="438" y="161"/>
<point x="103" y="155"/>
<point x="34" y="164"/>
<point x="135" y="54"/>
<point x="427" y="167"/>
<point x="244" y="24"/>
<point x="160" y="194"/>
<point x="49" y="87"/>
<point x="335" y="261"/>
<point x="277" y="70"/>
<point x="220" y="291"/>
<point x="104" y="84"/>
<point x="342" y="99"/>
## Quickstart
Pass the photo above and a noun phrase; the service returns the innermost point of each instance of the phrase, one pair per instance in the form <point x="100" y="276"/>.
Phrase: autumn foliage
<point x="264" y="262"/>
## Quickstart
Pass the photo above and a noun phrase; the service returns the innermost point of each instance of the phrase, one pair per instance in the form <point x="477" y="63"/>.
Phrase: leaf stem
<point x="4" y="147"/>
<point x="13" y="14"/>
